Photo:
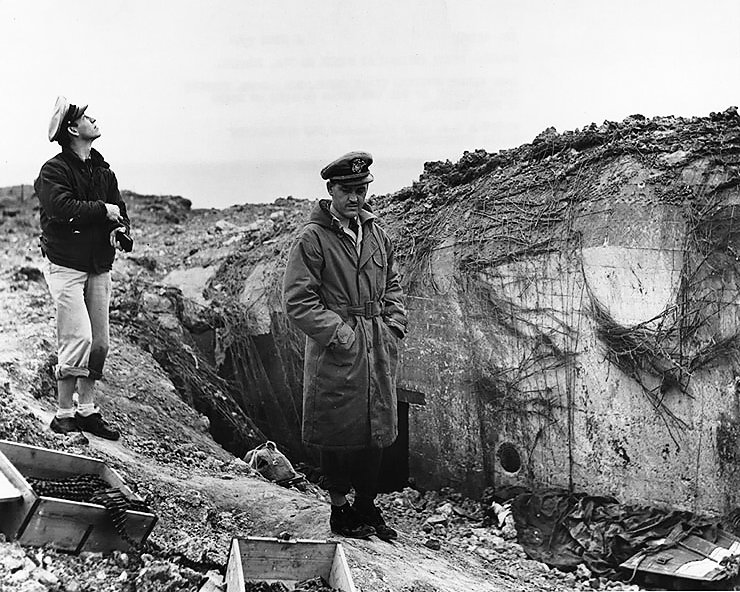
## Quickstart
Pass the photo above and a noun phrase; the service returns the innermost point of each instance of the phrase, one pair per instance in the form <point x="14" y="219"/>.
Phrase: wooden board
<point x="42" y="463"/>
<point x="8" y="491"/>
<point x="692" y="558"/>
<point x="271" y="560"/>
<point x="63" y="524"/>
<point x="340" y="577"/>
<point x="13" y="513"/>
<point x="76" y="526"/>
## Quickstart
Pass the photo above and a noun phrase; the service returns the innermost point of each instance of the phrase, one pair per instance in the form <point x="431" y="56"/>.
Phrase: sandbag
<point x="272" y="464"/>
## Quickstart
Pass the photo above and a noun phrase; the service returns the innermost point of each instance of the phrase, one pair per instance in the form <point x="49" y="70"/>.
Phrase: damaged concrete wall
<point x="575" y="318"/>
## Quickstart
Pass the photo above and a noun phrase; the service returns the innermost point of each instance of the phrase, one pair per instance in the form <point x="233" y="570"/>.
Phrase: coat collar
<point x="96" y="159"/>
<point x="322" y="215"/>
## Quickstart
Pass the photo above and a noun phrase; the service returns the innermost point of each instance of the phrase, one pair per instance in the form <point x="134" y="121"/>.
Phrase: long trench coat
<point x="350" y="307"/>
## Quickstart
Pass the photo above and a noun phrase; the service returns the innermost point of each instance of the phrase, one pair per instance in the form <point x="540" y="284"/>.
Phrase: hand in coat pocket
<point x="345" y="337"/>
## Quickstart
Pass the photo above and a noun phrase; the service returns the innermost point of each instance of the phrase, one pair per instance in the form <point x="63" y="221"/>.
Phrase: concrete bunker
<point x="571" y="300"/>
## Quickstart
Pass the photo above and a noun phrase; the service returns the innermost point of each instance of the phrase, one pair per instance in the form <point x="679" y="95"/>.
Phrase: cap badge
<point x="357" y="165"/>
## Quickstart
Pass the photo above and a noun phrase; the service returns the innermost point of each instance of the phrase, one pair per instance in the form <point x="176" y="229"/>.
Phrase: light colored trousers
<point x="83" y="334"/>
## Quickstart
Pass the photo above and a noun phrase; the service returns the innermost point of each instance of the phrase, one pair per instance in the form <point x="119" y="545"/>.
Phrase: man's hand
<point x="345" y="337"/>
<point x="113" y="212"/>
<point x="114" y="242"/>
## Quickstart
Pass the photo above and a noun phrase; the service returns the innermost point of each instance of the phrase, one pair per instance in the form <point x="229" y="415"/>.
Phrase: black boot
<point x="96" y="425"/>
<point x="370" y="514"/>
<point x="345" y="522"/>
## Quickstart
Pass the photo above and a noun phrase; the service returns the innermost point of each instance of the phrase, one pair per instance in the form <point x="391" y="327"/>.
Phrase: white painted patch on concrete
<point x="634" y="284"/>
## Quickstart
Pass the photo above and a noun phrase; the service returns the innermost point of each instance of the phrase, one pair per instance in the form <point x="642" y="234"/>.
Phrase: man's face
<point x="348" y="199"/>
<point x="86" y="128"/>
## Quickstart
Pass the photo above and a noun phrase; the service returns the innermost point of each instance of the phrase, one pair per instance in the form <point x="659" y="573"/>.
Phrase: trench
<point x="268" y="377"/>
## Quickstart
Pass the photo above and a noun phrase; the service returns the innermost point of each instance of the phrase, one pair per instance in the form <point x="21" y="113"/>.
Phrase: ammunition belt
<point x="95" y="490"/>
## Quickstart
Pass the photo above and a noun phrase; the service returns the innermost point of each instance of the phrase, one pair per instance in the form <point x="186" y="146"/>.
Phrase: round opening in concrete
<point x="509" y="458"/>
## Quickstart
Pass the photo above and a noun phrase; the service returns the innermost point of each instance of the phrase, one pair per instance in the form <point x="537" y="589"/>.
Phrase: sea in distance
<point x="223" y="184"/>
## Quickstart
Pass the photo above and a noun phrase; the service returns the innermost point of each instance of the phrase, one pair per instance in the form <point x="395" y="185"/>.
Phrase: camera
<point x="126" y="242"/>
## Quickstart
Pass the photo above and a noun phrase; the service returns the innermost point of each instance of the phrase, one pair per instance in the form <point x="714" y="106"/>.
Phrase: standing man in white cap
<point x="342" y="290"/>
<point x="83" y="221"/>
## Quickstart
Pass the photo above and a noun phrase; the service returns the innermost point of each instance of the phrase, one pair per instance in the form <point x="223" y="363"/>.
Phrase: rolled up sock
<point x="87" y="409"/>
<point x="65" y="413"/>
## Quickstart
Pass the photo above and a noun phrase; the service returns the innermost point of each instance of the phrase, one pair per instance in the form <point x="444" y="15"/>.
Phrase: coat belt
<point x="368" y="310"/>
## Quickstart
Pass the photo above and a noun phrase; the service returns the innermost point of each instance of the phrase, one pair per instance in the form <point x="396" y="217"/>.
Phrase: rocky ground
<point x="202" y="494"/>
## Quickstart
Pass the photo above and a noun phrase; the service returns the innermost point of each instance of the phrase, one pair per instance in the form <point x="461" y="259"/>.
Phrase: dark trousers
<point x="346" y="469"/>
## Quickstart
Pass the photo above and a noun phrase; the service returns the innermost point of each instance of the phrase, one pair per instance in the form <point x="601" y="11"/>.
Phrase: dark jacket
<point x="75" y="228"/>
<point x="349" y="381"/>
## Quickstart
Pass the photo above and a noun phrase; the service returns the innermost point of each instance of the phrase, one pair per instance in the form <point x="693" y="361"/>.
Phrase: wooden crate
<point x="37" y="520"/>
<point x="292" y="561"/>
<point x="692" y="558"/>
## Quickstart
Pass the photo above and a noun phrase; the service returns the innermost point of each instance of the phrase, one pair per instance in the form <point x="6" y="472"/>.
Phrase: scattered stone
<point x="121" y="558"/>
<point x="32" y="586"/>
<point x="20" y="575"/>
<point x="13" y="563"/>
<point x="419" y="586"/>
<point x="445" y="510"/>
<point x="440" y="530"/>
<point x="46" y="577"/>
<point x="90" y="556"/>
<point x="433" y="544"/>
<point x="487" y="554"/>
<point x="436" y="519"/>
<point x="224" y="225"/>
<point x="582" y="572"/>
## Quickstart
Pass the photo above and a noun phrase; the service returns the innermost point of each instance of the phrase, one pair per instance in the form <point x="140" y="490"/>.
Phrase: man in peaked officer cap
<point x="341" y="288"/>
<point x="83" y="221"/>
<point x="351" y="169"/>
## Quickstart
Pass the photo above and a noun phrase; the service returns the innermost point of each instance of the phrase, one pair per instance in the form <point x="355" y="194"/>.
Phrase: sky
<point x="234" y="101"/>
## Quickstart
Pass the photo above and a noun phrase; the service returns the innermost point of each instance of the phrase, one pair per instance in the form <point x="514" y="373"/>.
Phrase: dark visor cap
<point x="351" y="169"/>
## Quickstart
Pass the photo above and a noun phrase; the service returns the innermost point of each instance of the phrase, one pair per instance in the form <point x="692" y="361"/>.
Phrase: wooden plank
<point x="8" y="491"/>
<point x="14" y="513"/>
<point x="43" y="463"/>
<point x="693" y="558"/>
<point x="79" y="526"/>
<point x="340" y="577"/>
<point x="271" y="560"/>
<point x="280" y="560"/>
<point x="234" y="571"/>
<point x="62" y="524"/>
